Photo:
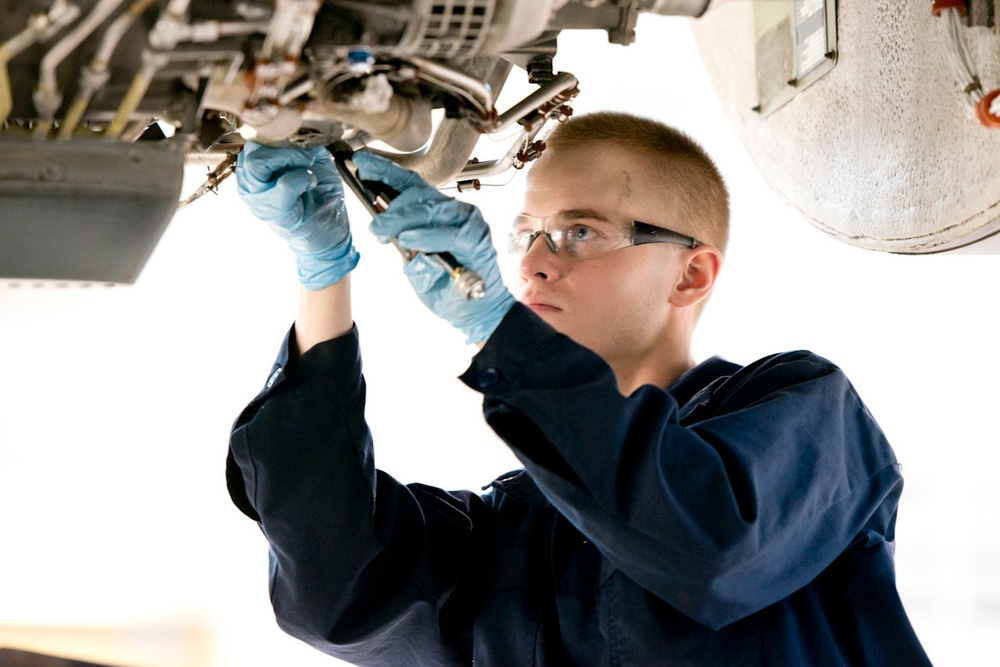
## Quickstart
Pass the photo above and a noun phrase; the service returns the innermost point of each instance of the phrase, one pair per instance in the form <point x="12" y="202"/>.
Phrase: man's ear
<point x="700" y="271"/>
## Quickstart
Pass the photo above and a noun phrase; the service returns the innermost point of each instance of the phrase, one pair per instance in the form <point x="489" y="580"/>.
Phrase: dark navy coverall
<point x="742" y="516"/>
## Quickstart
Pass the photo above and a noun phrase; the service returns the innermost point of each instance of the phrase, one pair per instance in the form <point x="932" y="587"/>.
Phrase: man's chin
<point x="565" y="326"/>
<point x="552" y="318"/>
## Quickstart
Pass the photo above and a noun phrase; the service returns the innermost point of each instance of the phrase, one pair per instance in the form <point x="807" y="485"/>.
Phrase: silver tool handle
<point x="467" y="282"/>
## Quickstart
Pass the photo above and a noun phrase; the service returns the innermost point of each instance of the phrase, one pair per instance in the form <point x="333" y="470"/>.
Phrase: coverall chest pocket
<point x="516" y="622"/>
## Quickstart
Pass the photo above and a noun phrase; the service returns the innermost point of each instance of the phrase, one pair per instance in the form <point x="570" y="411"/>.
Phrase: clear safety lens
<point x="581" y="236"/>
<point x="576" y="237"/>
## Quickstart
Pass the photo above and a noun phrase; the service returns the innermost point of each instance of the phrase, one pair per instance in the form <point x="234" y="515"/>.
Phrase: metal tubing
<point x="47" y="97"/>
<point x="482" y="93"/>
<point x="40" y="28"/>
<point x="95" y="75"/>
<point x="560" y="83"/>
<point x="140" y="83"/>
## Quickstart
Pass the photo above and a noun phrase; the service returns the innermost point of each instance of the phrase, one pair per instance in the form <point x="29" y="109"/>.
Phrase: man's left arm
<point x="720" y="512"/>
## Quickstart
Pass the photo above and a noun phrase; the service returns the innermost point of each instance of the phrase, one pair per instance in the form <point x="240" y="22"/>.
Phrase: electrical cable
<point x="986" y="106"/>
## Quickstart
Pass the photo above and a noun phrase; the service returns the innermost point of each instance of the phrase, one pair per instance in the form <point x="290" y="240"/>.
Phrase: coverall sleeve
<point x="361" y="566"/>
<point x="721" y="509"/>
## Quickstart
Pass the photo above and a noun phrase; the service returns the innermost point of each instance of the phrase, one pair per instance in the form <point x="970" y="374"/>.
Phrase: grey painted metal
<point x="84" y="210"/>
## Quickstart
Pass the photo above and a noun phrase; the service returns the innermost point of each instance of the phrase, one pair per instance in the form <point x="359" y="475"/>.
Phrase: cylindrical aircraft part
<point x="675" y="7"/>
<point x="455" y="138"/>
<point x="406" y="125"/>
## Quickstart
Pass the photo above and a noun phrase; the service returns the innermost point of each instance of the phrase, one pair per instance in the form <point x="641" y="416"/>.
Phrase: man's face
<point x="617" y="303"/>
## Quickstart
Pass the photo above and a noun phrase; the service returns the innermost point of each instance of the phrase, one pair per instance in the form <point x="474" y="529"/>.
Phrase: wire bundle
<point x="987" y="105"/>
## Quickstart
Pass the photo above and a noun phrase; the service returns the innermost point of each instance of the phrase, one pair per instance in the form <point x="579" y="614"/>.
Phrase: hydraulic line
<point x="47" y="97"/>
<point x="41" y="28"/>
<point x="171" y="21"/>
<point x="151" y="63"/>
<point x="95" y="75"/>
<point x="561" y="83"/>
<point x="470" y="88"/>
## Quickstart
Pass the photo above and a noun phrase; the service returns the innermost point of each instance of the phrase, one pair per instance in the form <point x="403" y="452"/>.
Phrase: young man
<point x="668" y="513"/>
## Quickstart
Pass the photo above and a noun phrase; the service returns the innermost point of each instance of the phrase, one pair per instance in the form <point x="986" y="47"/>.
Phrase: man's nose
<point x="549" y="241"/>
<point x="541" y="260"/>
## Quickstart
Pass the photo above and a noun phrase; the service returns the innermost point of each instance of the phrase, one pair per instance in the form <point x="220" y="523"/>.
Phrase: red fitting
<point x="983" y="113"/>
<point x="939" y="6"/>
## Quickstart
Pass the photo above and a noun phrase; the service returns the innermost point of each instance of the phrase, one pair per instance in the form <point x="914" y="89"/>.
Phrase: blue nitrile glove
<point x="298" y="193"/>
<point x="423" y="219"/>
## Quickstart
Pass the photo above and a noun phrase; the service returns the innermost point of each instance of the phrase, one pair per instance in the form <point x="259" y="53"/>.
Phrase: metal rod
<point x="560" y="83"/>
<point x="467" y="282"/>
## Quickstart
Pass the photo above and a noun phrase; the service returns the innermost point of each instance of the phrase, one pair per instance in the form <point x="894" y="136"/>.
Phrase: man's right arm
<point x="359" y="561"/>
<point x="353" y="568"/>
<point x="324" y="314"/>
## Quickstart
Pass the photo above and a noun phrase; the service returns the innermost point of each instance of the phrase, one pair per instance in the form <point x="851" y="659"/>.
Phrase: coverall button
<point x="489" y="377"/>
<point x="278" y="373"/>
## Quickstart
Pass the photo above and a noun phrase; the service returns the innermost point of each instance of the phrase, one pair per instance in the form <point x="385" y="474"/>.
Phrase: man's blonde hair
<point x="678" y="162"/>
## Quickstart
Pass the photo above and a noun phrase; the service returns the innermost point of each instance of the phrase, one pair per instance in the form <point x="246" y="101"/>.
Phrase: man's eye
<point x="581" y="233"/>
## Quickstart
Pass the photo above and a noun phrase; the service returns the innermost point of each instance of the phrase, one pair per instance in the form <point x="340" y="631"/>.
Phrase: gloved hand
<point x="423" y="219"/>
<point x="298" y="193"/>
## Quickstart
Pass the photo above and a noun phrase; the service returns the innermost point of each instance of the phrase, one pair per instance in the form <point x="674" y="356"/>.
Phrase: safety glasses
<point x="582" y="235"/>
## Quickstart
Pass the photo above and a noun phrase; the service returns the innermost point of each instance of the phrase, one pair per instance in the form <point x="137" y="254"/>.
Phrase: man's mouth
<point x="539" y="304"/>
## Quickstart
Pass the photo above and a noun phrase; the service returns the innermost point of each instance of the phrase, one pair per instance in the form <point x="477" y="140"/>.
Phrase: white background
<point x="115" y="404"/>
